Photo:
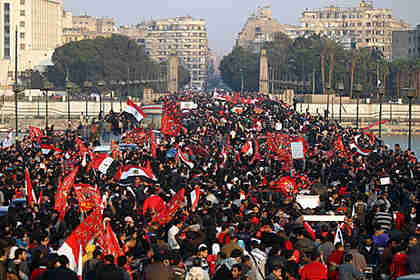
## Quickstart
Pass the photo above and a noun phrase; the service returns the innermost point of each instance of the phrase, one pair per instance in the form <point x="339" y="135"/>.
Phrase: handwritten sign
<point x="297" y="150"/>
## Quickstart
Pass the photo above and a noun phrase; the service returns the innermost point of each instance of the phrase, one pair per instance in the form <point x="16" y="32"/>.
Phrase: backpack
<point x="195" y="273"/>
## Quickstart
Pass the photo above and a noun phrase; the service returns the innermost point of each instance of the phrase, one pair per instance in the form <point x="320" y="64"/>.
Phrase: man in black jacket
<point x="108" y="270"/>
<point x="62" y="272"/>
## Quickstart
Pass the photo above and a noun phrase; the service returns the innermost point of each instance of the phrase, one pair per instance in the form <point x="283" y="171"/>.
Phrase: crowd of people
<point x="220" y="198"/>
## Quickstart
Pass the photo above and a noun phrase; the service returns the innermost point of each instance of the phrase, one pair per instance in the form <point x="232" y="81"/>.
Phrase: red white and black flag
<point x="134" y="110"/>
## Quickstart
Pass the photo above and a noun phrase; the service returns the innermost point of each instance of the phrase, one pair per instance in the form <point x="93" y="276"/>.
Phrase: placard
<point x="385" y="181"/>
<point x="308" y="201"/>
<point x="297" y="150"/>
<point x="188" y="106"/>
<point x="323" y="218"/>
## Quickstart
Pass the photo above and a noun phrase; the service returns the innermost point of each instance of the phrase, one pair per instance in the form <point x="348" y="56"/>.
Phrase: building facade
<point x="184" y="36"/>
<point x="366" y="25"/>
<point x="261" y="27"/>
<point x="38" y="24"/>
<point x="86" y="27"/>
<point x="406" y="43"/>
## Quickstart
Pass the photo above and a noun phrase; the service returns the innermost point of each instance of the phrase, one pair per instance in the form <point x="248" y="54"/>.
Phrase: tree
<point x="114" y="58"/>
<point x="240" y="64"/>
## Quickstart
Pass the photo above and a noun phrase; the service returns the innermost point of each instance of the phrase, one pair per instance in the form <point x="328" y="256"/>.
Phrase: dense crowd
<point x="219" y="199"/>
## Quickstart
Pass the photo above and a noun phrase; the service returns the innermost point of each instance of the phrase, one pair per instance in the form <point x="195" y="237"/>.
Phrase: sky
<point x="224" y="18"/>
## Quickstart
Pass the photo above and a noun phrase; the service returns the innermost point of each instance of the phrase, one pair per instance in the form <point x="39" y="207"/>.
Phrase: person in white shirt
<point x="173" y="231"/>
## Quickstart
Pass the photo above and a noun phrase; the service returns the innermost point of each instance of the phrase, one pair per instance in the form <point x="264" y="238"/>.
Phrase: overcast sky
<point x="225" y="18"/>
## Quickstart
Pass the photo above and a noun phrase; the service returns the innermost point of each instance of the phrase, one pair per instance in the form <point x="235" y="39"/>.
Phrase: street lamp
<point x="100" y="85"/>
<point x="340" y="90"/>
<point x="358" y="90"/>
<point x="87" y="86"/>
<point x="242" y="81"/>
<point x="411" y="93"/>
<point x="381" y="92"/>
<point x="122" y="84"/>
<point x="328" y="102"/>
<point x="69" y="87"/>
<point x="47" y="86"/>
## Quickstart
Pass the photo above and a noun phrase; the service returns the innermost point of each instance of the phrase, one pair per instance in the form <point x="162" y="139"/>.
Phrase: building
<point x="261" y="27"/>
<point x="185" y="36"/>
<point x="38" y="24"/>
<point x="366" y="25"/>
<point x="134" y="32"/>
<point x="86" y="27"/>
<point x="406" y="43"/>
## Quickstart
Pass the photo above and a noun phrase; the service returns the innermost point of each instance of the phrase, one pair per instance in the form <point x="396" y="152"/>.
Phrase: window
<point x="22" y="2"/>
<point x="22" y="13"/>
<point x="22" y="24"/>
<point x="6" y="22"/>
<point x="22" y="35"/>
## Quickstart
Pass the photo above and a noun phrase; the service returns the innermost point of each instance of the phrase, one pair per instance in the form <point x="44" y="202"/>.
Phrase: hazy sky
<point x="225" y="18"/>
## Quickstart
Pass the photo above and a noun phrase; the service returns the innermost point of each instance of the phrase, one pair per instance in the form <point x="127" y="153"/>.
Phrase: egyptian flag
<point x="29" y="190"/>
<point x="74" y="245"/>
<point x="338" y="236"/>
<point x="49" y="148"/>
<point x="134" y="110"/>
<point x="102" y="163"/>
<point x="136" y="171"/>
<point x="8" y="141"/>
<point x="195" y="197"/>
<point x="247" y="148"/>
<point x="359" y="149"/>
<point x="181" y="156"/>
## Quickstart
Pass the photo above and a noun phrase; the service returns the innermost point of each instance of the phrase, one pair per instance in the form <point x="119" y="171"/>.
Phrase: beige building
<point x="185" y="36"/>
<point x="366" y="25"/>
<point x="261" y="27"/>
<point x="39" y="28"/>
<point x="87" y="27"/>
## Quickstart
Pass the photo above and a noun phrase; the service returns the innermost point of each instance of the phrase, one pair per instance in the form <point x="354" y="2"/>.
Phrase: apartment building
<point x="38" y="24"/>
<point x="365" y="25"/>
<point x="406" y="44"/>
<point x="184" y="36"/>
<point x="261" y="27"/>
<point x="88" y="27"/>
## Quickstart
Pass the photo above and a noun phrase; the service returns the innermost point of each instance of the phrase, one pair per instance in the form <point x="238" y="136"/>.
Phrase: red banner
<point x="88" y="196"/>
<point x="63" y="192"/>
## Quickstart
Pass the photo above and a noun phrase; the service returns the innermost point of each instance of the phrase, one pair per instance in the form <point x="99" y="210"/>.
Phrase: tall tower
<point x="263" y="72"/>
<point x="173" y="73"/>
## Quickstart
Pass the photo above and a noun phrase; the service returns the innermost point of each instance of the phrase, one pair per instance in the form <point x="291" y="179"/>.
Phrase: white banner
<point x="188" y="106"/>
<point x="323" y="218"/>
<point x="308" y="201"/>
<point x="385" y="181"/>
<point x="297" y="150"/>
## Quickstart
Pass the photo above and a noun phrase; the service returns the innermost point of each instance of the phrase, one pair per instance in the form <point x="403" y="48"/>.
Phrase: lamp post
<point x="358" y="90"/>
<point x="340" y="90"/>
<point x="122" y="84"/>
<point x="242" y="81"/>
<point x="47" y="86"/>
<point x="100" y="85"/>
<point x="328" y="102"/>
<point x="411" y="93"/>
<point x="381" y="92"/>
<point x="87" y="86"/>
<point x="69" y="87"/>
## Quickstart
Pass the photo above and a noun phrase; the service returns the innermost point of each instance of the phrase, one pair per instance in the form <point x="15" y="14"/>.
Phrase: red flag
<point x="152" y="141"/>
<point x="247" y="148"/>
<point x="35" y="133"/>
<point x="88" y="196"/>
<point x="286" y="184"/>
<point x="63" y="192"/>
<point x="155" y="205"/>
<point x="173" y="205"/>
<point x="74" y="245"/>
<point x="109" y="242"/>
<point x="170" y="126"/>
<point x="257" y="154"/>
<point x="29" y="190"/>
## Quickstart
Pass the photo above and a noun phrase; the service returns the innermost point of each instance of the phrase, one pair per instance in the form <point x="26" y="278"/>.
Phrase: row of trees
<point x="321" y="63"/>
<point x="116" y="58"/>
